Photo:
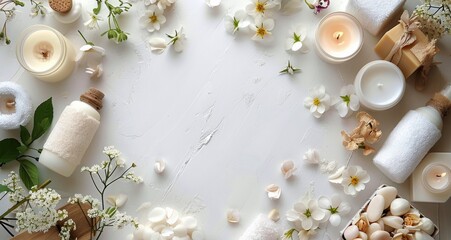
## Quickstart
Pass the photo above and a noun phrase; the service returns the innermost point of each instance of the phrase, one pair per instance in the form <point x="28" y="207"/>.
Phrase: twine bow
<point x="427" y="62"/>
<point x="409" y="24"/>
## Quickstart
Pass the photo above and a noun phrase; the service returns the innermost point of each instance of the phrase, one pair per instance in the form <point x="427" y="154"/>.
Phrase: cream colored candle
<point x="46" y="53"/>
<point x="339" y="37"/>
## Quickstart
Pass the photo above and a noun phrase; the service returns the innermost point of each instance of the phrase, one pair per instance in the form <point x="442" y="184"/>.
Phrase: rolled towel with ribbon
<point x="15" y="106"/>
<point x="262" y="228"/>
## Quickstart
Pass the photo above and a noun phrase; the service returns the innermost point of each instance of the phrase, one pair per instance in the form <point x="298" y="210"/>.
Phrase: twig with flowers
<point x="104" y="175"/>
<point x="365" y="133"/>
<point x="434" y="17"/>
<point x="35" y="212"/>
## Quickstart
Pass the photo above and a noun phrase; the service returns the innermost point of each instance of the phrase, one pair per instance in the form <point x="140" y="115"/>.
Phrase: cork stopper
<point x="93" y="97"/>
<point x="441" y="103"/>
<point x="61" y="6"/>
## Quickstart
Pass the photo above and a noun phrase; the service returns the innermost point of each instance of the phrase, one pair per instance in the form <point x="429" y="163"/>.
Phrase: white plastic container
<point x="72" y="134"/>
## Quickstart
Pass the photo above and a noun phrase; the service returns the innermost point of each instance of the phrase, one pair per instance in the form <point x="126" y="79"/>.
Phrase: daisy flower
<point x="318" y="102"/>
<point x="259" y="8"/>
<point x="354" y="179"/>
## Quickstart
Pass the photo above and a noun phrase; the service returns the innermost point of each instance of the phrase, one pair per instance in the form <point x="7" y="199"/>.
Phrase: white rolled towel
<point x="406" y="146"/>
<point x="261" y="229"/>
<point x="376" y="15"/>
<point x="15" y="106"/>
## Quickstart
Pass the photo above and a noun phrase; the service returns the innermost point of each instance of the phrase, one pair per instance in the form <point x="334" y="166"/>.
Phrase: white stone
<point x="389" y="193"/>
<point x="380" y="235"/>
<point x="399" y="206"/>
<point x="351" y="232"/>
<point x="393" y="221"/>
<point x="375" y="208"/>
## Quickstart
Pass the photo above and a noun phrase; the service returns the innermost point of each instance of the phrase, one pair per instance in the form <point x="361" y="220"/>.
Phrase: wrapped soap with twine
<point x="409" y="48"/>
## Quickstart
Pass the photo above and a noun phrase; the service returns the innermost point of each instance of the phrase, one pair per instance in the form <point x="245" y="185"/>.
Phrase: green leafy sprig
<point x="8" y="8"/>
<point x="114" y="31"/>
<point x="12" y="149"/>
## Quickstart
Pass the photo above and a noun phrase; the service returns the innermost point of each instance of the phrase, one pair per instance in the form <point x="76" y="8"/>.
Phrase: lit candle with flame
<point x="339" y="37"/>
<point x="436" y="177"/>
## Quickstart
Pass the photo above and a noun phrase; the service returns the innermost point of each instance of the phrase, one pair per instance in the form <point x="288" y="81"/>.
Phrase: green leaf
<point x="4" y="188"/>
<point x="8" y="150"/>
<point x="22" y="149"/>
<point x="25" y="136"/>
<point x="43" y="117"/>
<point x="29" y="173"/>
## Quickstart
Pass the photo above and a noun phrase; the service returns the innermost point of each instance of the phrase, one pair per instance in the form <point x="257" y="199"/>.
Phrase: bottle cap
<point x="93" y="97"/>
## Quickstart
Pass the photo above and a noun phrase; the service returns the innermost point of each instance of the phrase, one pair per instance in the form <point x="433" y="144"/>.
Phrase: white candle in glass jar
<point x="338" y="37"/>
<point x="380" y="85"/>
<point x="46" y="53"/>
<point x="436" y="177"/>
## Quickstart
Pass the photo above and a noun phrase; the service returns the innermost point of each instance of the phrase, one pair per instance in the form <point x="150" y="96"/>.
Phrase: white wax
<point x="42" y="50"/>
<point x="73" y="15"/>
<point x="339" y="35"/>
<point x="380" y="85"/>
<point x="436" y="177"/>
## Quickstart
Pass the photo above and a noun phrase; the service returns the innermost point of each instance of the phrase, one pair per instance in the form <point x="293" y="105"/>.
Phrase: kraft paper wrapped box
<point x="82" y="231"/>
<point x="413" y="48"/>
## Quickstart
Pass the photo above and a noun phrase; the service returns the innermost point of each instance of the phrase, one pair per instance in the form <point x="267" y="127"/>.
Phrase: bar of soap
<point x="409" y="63"/>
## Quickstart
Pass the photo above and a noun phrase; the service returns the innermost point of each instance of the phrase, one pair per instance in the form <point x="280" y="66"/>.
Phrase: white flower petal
<point x="159" y="166"/>
<point x="213" y="3"/>
<point x="296" y="46"/>
<point x="324" y="202"/>
<point x="233" y="216"/>
<point x="288" y="168"/>
<point x="335" y="220"/>
<point x="117" y="200"/>
<point x="273" y="191"/>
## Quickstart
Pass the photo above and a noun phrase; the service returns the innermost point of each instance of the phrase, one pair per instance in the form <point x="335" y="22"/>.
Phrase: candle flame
<point x="441" y="175"/>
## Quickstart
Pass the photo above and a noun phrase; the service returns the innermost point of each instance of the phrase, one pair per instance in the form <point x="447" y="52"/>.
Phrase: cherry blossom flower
<point x="335" y="208"/>
<point x="163" y="4"/>
<point x="307" y="213"/>
<point x="259" y="8"/>
<point x="354" y="179"/>
<point x="236" y="22"/>
<point x="318" y="102"/>
<point x="262" y="28"/>
<point x="295" y="41"/>
<point x="177" y="40"/>
<point x="348" y="101"/>
<point x="93" y="22"/>
<point x="152" y="19"/>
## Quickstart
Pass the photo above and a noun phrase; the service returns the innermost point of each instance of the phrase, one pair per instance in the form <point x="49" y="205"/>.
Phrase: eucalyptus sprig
<point x="8" y="8"/>
<point x="12" y="149"/>
<point x="114" y="31"/>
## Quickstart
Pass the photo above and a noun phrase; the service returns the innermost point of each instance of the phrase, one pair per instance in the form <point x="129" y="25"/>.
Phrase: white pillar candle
<point x="46" y="53"/>
<point x="380" y="85"/>
<point x="338" y="37"/>
<point x="436" y="177"/>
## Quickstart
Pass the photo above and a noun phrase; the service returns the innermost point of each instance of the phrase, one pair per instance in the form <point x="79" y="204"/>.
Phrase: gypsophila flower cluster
<point x="13" y="183"/>
<point x="103" y="176"/>
<point x="67" y="227"/>
<point x="434" y="17"/>
<point x="40" y="213"/>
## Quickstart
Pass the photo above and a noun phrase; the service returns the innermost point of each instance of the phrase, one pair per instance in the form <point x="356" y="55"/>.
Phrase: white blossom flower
<point x="152" y="19"/>
<point x="236" y="22"/>
<point x="295" y="41"/>
<point x="318" y="102"/>
<point x="132" y="177"/>
<point x="93" y="22"/>
<point x="312" y="156"/>
<point x="292" y="6"/>
<point x="177" y="40"/>
<point x="306" y="214"/>
<point x="120" y="161"/>
<point x="149" y="2"/>
<point x="17" y="193"/>
<point x="306" y="234"/>
<point x="94" y="169"/>
<point x="335" y="208"/>
<point x="259" y="8"/>
<point x="96" y="72"/>
<point x="66" y="229"/>
<point x="354" y="179"/>
<point x="288" y="168"/>
<point x="157" y="45"/>
<point x="213" y="3"/>
<point x="262" y="28"/>
<point x="163" y="4"/>
<point x="111" y="152"/>
<point x="348" y="101"/>
<point x="276" y="3"/>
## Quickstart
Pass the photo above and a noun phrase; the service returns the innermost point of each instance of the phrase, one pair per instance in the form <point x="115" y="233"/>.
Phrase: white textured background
<point x="221" y="116"/>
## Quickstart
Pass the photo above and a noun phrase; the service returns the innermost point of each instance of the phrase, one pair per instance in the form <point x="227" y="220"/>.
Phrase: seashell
<point x="363" y="236"/>
<point x="180" y="231"/>
<point x="423" y="236"/>
<point x="427" y="226"/>
<point x="288" y="168"/>
<point x="336" y="177"/>
<point x="273" y="191"/>
<point x="373" y="228"/>
<point x="363" y="222"/>
<point x="233" y="216"/>
<point x="189" y="222"/>
<point x="172" y="216"/>
<point x="351" y="232"/>
<point x="399" y="206"/>
<point x="389" y="193"/>
<point x="393" y="221"/>
<point x="117" y="200"/>
<point x="380" y="235"/>
<point x="157" y="215"/>
<point x="375" y="208"/>
<point x="167" y="233"/>
<point x="197" y="235"/>
<point x="159" y="166"/>
<point x="274" y="215"/>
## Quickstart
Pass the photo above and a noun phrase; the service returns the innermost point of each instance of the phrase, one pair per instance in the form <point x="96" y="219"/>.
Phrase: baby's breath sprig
<point x="434" y="17"/>
<point x="114" y="31"/>
<point x="8" y="8"/>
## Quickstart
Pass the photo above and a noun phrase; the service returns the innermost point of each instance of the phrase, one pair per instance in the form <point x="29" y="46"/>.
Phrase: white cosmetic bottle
<point x="413" y="137"/>
<point x="72" y="134"/>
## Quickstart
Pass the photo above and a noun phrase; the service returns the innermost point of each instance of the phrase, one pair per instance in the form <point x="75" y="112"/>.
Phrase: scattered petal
<point x="233" y="216"/>
<point x="159" y="166"/>
<point x="157" y="45"/>
<point x="273" y="191"/>
<point x="117" y="200"/>
<point x="312" y="156"/>
<point x="288" y="168"/>
<point x="213" y="3"/>
<point x="274" y="215"/>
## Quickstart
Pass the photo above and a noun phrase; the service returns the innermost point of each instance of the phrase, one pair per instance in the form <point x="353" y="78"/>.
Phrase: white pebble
<point x="389" y="193"/>
<point x="375" y="208"/>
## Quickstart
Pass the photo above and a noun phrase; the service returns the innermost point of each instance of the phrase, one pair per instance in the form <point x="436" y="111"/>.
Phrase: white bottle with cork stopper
<point x="73" y="133"/>
<point x="413" y="137"/>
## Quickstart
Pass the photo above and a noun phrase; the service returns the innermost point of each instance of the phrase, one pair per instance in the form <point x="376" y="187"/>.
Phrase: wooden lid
<point x="93" y="97"/>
